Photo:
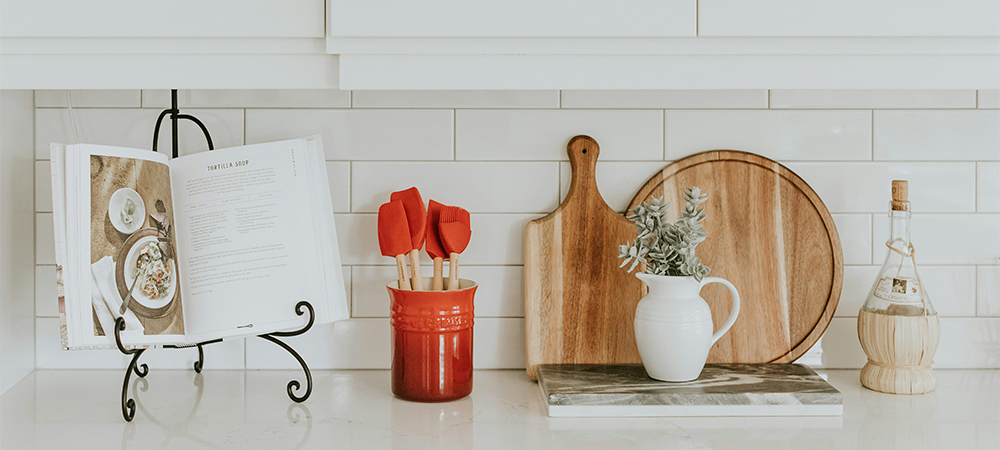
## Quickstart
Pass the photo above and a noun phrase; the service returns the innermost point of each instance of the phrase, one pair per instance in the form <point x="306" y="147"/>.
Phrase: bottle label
<point x="899" y="290"/>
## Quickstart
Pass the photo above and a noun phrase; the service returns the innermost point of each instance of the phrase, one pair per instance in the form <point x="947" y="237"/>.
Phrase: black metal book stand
<point x="128" y="404"/>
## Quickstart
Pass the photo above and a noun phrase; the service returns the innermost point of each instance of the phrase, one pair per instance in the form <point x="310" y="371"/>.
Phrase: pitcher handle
<point x="734" y="296"/>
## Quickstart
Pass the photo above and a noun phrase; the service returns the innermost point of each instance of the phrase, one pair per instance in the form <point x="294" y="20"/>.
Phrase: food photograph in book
<point x="132" y="247"/>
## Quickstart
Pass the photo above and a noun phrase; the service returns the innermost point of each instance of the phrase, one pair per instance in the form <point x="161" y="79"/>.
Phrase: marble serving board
<point x="625" y="390"/>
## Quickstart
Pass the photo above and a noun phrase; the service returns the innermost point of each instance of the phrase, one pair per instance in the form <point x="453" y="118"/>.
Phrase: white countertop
<point x="79" y="409"/>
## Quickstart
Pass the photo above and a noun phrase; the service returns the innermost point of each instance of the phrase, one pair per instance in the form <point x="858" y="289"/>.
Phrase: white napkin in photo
<point x="107" y="301"/>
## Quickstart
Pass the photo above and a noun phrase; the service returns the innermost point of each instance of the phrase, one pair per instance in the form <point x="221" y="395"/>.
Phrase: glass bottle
<point x="897" y="325"/>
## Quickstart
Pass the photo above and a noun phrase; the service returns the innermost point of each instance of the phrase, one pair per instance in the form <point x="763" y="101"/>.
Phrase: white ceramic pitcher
<point x="673" y="326"/>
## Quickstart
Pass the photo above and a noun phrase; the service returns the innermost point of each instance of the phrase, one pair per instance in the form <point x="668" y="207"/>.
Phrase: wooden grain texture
<point x="579" y="306"/>
<point x="773" y="238"/>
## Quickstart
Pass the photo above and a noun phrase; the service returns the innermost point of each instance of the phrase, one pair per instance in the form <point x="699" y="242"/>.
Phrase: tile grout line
<point x="34" y="234"/>
<point x="871" y="255"/>
<point x="664" y="134"/>
<point x="871" y="148"/>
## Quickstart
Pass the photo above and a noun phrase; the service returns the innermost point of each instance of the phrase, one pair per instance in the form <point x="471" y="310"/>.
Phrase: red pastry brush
<point x="416" y="219"/>
<point x="455" y="233"/>
<point x="433" y="243"/>
<point x="394" y="237"/>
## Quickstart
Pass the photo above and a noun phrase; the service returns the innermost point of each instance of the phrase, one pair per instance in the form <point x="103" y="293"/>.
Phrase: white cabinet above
<point x="666" y="44"/>
<point x="513" y="44"/>
<point x="161" y="18"/>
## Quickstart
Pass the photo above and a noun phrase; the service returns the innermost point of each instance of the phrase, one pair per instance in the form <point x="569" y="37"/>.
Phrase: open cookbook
<point x="212" y="245"/>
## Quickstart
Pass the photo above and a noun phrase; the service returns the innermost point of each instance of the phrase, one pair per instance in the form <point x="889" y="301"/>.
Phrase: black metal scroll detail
<point x="294" y="385"/>
<point x="175" y="115"/>
<point x="128" y="404"/>
<point x="200" y="363"/>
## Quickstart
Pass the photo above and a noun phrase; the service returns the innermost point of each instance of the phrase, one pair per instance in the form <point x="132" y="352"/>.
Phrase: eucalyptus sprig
<point x="667" y="248"/>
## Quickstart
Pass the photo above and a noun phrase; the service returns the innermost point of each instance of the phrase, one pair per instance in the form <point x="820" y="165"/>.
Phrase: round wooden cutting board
<point x="773" y="238"/>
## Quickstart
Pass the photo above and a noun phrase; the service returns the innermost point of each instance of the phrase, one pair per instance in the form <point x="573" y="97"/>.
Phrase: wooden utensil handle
<point x="453" y="272"/>
<point x="438" y="278"/>
<point x="416" y="280"/>
<point x="404" y="279"/>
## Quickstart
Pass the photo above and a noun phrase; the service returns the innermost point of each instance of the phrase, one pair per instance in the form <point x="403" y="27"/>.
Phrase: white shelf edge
<point x="669" y="72"/>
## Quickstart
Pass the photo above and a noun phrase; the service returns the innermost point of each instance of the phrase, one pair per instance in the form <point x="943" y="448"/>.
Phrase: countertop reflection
<point x="79" y="409"/>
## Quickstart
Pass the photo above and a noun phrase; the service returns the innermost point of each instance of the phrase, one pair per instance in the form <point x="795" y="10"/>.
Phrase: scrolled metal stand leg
<point x="128" y="405"/>
<point x="201" y="360"/>
<point x="294" y="385"/>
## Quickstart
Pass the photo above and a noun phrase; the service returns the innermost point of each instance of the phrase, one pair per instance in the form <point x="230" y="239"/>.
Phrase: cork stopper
<point x="900" y="192"/>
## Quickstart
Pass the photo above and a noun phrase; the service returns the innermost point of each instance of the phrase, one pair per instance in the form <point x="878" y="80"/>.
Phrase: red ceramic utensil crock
<point x="432" y="343"/>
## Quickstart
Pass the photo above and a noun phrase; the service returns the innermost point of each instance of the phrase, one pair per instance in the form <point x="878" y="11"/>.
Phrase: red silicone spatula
<point x="416" y="219"/>
<point x="455" y="233"/>
<point x="433" y="245"/>
<point x="394" y="237"/>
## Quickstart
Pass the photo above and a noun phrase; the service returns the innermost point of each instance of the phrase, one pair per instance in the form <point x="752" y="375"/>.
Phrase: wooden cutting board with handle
<point x="772" y="237"/>
<point x="579" y="306"/>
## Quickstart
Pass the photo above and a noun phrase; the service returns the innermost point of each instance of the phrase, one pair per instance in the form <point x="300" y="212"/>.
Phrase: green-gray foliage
<point x="667" y="248"/>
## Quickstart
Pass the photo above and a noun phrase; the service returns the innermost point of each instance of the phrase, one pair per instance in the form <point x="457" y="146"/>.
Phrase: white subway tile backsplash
<point x="937" y="135"/>
<point x="339" y="176"/>
<point x="857" y="282"/>
<point x="357" y="239"/>
<point x="969" y="343"/>
<point x="618" y="181"/>
<point x="43" y="186"/>
<point x="865" y="187"/>
<point x="241" y="98"/>
<point x="871" y="99"/>
<point x="988" y="187"/>
<point x="45" y="239"/>
<point x="494" y="135"/>
<point x="499" y="344"/>
<point x="946" y="238"/>
<point x="366" y="344"/>
<point x="50" y="355"/>
<point x="665" y="99"/>
<point x="989" y="98"/>
<point x="366" y="135"/>
<point x="500" y="292"/>
<point x="841" y="348"/>
<point x="511" y="168"/>
<point x="348" y="344"/>
<point x="456" y="99"/>
<point x="509" y="187"/>
<point x="781" y="135"/>
<point x="497" y="239"/>
<point x="988" y="290"/>
<point x="134" y="128"/>
<point x="96" y="98"/>
<point x="951" y="289"/>
<point x="46" y="301"/>
<point x="965" y="343"/>
<point x="855" y="231"/>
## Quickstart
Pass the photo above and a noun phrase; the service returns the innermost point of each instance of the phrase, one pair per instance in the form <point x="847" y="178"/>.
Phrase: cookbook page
<point x="246" y="236"/>
<point x="124" y="247"/>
